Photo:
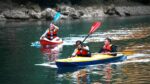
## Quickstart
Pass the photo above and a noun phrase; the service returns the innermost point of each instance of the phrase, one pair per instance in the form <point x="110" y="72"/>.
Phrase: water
<point x="24" y="64"/>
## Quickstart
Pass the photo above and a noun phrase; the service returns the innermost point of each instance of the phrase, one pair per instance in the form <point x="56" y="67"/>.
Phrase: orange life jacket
<point x="51" y="34"/>
<point x="82" y="52"/>
<point x="107" y="48"/>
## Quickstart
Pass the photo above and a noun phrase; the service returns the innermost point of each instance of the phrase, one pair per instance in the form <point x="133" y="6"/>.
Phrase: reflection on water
<point x="115" y="34"/>
<point x="109" y="74"/>
<point x="137" y="73"/>
<point x="98" y="74"/>
<point x="83" y="77"/>
<point x="51" y="52"/>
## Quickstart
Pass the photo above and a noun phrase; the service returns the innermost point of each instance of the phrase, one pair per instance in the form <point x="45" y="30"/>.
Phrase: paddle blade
<point x="128" y="52"/>
<point x="95" y="26"/>
<point x="56" y="17"/>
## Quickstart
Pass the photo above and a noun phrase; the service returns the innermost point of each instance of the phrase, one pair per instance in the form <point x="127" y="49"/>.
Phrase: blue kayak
<point x="79" y="61"/>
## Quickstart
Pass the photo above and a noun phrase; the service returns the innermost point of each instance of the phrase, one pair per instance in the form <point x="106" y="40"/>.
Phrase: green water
<point x="18" y="58"/>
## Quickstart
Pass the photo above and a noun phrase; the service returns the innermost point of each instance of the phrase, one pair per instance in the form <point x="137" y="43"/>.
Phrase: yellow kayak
<point x="94" y="59"/>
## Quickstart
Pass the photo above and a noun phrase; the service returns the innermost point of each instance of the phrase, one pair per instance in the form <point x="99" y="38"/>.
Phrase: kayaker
<point x="81" y="50"/>
<point x="108" y="48"/>
<point x="52" y="32"/>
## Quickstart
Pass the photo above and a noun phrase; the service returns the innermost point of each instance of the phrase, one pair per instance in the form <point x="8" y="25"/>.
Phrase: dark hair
<point x="78" y="41"/>
<point x="108" y="39"/>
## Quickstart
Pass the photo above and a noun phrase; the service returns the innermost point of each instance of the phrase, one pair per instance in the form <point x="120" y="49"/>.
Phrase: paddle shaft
<point x="123" y="52"/>
<point x="86" y="37"/>
<point x="56" y="17"/>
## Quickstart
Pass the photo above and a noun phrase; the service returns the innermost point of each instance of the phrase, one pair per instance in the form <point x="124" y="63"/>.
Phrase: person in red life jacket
<point x="81" y="50"/>
<point x="52" y="32"/>
<point x="108" y="48"/>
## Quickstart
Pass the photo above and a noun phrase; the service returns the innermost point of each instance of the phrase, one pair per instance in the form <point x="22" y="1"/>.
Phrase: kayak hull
<point x="45" y="41"/>
<point x="90" y="61"/>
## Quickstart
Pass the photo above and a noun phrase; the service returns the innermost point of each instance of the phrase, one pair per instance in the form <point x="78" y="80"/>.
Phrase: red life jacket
<point x="51" y="34"/>
<point x="107" y="48"/>
<point x="81" y="52"/>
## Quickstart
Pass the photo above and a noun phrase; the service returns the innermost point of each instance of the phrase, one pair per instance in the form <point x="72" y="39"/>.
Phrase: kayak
<point x="79" y="61"/>
<point x="55" y="41"/>
<point x="44" y="41"/>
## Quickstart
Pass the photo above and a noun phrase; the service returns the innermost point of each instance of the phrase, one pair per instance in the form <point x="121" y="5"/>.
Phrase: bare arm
<point x="56" y="28"/>
<point x="74" y="53"/>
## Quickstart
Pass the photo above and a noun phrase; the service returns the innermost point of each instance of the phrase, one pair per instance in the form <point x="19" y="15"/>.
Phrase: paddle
<point x="94" y="27"/>
<point x="127" y="52"/>
<point x="56" y="17"/>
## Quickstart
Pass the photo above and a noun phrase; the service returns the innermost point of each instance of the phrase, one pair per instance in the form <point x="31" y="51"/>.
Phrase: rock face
<point x="34" y="14"/>
<point x="48" y="13"/>
<point x="111" y="10"/>
<point x="72" y="12"/>
<point x="15" y="14"/>
<point x="81" y="12"/>
<point x="133" y="10"/>
<point x="2" y="18"/>
<point x="92" y="12"/>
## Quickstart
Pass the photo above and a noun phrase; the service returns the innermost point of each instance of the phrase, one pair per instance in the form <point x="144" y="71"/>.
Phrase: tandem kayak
<point x="84" y="61"/>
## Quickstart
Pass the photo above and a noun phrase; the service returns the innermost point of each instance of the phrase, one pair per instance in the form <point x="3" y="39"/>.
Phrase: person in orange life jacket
<point x="108" y="48"/>
<point x="52" y="32"/>
<point x="81" y="50"/>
